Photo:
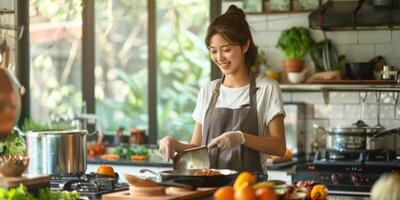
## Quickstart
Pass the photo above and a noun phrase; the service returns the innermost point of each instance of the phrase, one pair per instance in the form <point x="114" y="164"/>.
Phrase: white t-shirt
<point x="269" y="102"/>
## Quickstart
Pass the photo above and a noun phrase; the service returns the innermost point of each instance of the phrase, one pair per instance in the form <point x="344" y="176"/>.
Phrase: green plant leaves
<point x="295" y="42"/>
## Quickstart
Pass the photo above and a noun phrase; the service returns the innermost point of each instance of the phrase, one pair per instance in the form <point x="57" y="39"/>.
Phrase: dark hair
<point x="232" y="25"/>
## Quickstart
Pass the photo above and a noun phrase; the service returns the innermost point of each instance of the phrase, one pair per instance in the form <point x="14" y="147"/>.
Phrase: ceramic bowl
<point x="296" y="77"/>
<point x="13" y="166"/>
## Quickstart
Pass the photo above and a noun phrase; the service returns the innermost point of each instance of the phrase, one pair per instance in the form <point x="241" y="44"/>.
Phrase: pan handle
<point x="158" y="176"/>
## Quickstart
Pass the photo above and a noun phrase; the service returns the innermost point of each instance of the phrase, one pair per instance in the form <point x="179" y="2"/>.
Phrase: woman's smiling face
<point x="227" y="56"/>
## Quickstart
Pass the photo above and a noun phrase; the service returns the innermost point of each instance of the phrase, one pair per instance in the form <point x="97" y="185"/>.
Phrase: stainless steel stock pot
<point x="57" y="152"/>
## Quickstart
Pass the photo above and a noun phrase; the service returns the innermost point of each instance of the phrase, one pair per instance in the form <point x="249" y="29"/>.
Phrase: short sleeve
<point x="275" y="103"/>
<point x="198" y="112"/>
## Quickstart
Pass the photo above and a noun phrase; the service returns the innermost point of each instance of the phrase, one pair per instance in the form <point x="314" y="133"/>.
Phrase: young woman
<point x="240" y="115"/>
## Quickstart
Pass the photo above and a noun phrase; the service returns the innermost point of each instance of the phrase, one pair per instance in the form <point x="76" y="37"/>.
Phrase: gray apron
<point x="220" y="120"/>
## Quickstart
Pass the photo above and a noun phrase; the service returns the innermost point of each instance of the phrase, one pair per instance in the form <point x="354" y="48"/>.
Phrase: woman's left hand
<point x="228" y="140"/>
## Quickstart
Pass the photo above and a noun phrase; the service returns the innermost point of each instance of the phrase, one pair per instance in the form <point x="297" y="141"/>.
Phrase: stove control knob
<point x="356" y="179"/>
<point x="335" y="178"/>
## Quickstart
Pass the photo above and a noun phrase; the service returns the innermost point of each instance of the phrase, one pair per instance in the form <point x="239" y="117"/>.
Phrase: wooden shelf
<point x="340" y="87"/>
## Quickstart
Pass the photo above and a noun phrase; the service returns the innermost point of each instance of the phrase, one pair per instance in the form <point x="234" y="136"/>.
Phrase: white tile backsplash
<point x="330" y="111"/>
<point x="374" y="37"/>
<point x="343" y="97"/>
<point x="352" y="112"/>
<point x="388" y="51"/>
<point x="357" y="53"/>
<point x="396" y="36"/>
<point x="343" y="37"/>
<point x="309" y="98"/>
<point x="258" y="22"/>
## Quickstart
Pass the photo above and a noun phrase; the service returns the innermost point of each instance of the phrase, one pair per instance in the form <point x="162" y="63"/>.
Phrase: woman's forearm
<point x="270" y="145"/>
<point x="274" y="144"/>
<point x="179" y="147"/>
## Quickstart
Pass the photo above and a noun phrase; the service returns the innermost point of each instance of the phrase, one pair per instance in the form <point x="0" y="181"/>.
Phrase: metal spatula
<point x="195" y="158"/>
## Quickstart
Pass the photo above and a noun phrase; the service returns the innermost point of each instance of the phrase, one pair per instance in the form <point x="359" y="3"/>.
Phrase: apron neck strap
<point x="252" y="92"/>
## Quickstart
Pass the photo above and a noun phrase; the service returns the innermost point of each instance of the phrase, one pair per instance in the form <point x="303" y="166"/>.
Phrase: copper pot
<point x="10" y="103"/>
<point x="10" y="99"/>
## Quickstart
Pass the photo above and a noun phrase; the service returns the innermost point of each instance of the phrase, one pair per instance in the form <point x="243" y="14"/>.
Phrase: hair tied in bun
<point x="233" y="10"/>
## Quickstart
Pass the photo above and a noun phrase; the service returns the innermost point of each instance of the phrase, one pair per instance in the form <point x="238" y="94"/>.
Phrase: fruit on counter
<point x="138" y="158"/>
<point x="246" y="188"/>
<point x="224" y="193"/>
<point x="127" y="152"/>
<point x="106" y="170"/>
<point x="94" y="149"/>
<point x="319" y="192"/>
<point x="109" y="156"/>
<point x="307" y="189"/>
<point x="263" y="184"/>
<point x="245" y="193"/>
<point x="244" y="179"/>
<point x="266" y="193"/>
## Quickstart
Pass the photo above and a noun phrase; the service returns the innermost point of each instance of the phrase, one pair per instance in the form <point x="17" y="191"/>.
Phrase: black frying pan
<point x="226" y="177"/>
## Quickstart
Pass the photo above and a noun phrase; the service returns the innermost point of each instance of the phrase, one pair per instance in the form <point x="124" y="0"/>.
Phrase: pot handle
<point x="384" y="133"/>
<point x="92" y="133"/>
<point x="158" y="176"/>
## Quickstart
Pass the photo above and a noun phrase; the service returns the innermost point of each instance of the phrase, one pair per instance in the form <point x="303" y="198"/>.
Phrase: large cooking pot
<point x="225" y="177"/>
<point x="57" y="152"/>
<point x="353" y="139"/>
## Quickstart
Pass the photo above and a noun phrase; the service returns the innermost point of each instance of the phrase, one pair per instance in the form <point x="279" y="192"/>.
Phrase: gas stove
<point x="352" y="172"/>
<point x="92" y="186"/>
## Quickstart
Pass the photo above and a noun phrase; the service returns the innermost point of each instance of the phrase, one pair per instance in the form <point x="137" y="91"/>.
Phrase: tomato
<point x="91" y="153"/>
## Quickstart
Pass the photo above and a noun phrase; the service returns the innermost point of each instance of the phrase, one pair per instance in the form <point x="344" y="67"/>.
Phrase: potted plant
<point x="294" y="44"/>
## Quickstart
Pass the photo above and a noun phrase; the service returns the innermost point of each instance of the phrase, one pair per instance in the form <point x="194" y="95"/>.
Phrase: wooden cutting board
<point x="9" y="182"/>
<point x="169" y="195"/>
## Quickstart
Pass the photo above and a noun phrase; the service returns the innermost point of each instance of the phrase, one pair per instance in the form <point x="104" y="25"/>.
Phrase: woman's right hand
<point x="167" y="147"/>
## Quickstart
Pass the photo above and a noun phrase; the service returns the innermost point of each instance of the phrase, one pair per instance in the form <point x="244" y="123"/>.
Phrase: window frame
<point x="88" y="60"/>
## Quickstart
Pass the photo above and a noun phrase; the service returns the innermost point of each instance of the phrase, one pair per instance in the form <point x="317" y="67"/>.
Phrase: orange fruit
<point x="224" y="193"/>
<point x="244" y="178"/>
<point x="266" y="193"/>
<point x="245" y="193"/>
<point x="105" y="170"/>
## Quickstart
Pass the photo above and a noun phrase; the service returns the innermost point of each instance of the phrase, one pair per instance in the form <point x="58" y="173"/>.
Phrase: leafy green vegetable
<point x="13" y="145"/>
<point x="316" y="55"/>
<point x="21" y="193"/>
<point x="30" y="125"/>
<point x="295" y="42"/>
<point x="57" y="195"/>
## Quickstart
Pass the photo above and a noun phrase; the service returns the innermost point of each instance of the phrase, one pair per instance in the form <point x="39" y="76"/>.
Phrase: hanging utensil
<point x="378" y="114"/>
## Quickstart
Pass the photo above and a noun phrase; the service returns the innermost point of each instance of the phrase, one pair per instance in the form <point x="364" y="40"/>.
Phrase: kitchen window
<point x="122" y="74"/>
